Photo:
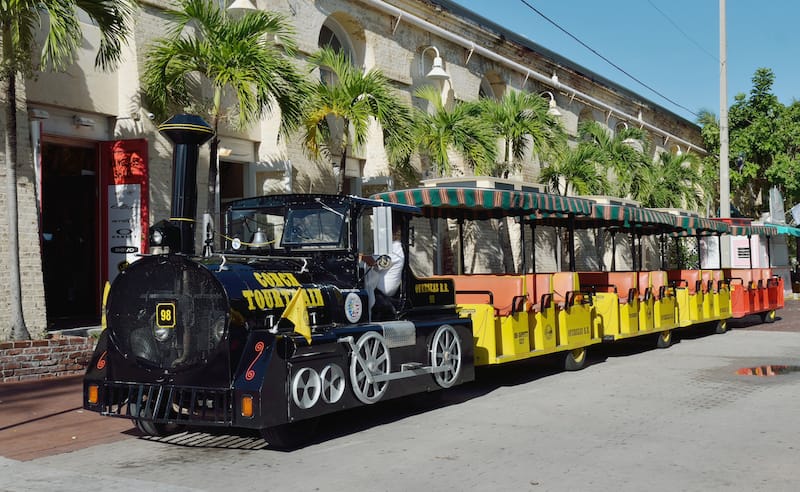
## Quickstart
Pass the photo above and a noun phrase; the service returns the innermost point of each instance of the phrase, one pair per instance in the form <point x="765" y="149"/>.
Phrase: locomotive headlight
<point x="158" y="237"/>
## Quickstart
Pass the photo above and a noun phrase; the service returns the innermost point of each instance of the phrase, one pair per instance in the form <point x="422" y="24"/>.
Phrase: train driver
<point x="383" y="278"/>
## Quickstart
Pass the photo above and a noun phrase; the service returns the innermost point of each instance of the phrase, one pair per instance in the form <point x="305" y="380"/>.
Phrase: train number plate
<point x="165" y="315"/>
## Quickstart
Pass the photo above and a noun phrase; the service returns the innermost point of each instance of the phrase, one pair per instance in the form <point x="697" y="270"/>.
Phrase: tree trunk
<point x="343" y="186"/>
<point x="504" y="234"/>
<point x="18" y="329"/>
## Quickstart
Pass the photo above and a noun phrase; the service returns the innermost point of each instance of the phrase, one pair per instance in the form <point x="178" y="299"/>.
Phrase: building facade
<point x="95" y="172"/>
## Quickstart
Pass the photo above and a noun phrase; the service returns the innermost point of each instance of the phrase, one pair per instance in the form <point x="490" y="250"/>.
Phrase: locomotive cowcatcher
<point x="275" y="330"/>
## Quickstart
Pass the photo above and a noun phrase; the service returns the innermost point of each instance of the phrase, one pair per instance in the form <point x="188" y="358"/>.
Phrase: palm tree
<point x="624" y="154"/>
<point x="438" y="132"/>
<point x="578" y="169"/>
<point x="461" y="130"/>
<point x="21" y="23"/>
<point x="351" y="100"/>
<point x="672" y="181"/>
<point x="246" y="57"/>
<point x="522" y="120"/>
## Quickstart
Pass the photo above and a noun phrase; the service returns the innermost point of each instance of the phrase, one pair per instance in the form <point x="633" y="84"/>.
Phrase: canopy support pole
<point x="571" y="233"/>
<point x="461" y="247"/>
<point x="639" y="256"/>
<point x="613" y="250"/>
<point x="533" y="247"/>
<point x="699" y="254"/>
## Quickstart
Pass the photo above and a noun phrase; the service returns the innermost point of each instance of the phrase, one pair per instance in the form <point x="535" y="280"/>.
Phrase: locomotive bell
<point x="187" y="133"/>
<point x="259" y="239"/>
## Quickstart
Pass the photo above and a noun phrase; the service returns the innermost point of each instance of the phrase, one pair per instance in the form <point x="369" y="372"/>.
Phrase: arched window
<point x="333" y="36"/>
<point x="492" y="86"/>
<point x="585" y="115"/>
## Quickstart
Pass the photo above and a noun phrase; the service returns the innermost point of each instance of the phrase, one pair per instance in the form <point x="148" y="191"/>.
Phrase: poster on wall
<point x="125" y="204"/>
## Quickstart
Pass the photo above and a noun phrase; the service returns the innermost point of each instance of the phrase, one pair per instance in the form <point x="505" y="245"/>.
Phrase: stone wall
<point x="27" y="360"/>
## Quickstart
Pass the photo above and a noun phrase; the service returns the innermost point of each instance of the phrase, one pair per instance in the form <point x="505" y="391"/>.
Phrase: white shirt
<point x="389" y="280"/>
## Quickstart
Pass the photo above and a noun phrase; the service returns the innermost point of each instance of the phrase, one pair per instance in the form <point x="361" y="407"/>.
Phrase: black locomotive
<point x="276" y="328"/>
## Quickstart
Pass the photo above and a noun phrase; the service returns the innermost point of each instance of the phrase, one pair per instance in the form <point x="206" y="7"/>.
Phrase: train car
<point x="639" y="301"/>
<point x="276" y="329"/>
<point x="703" y="294"/>
<point x="515" y="315"/>
<point x="754" y="291"/>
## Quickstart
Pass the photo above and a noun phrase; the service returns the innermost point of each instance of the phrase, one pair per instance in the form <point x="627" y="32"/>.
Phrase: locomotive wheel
<point x="664" y="339"/>
<point x="291" y="435"/>
<point x="768" y="317"/>
<point x="721" y="326"/>
<point x="333" y="383"/>
<point x="446" y="350"/>
<point x="306" y="388"/>
<point x="575" y="359"/>
<point x="150" y="428"/>
<point x="370" y="359"/>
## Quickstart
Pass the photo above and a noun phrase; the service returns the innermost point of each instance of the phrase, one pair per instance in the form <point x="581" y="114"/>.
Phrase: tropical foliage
<point x="244" y="58"/>
<point x="340" y="111"/>
<point x="577" y="170"/>
<point x="522" y="121"/>
<point x="764" y="146"/>
<point x="460" y="129"/>
<point x="624" y="153"/>
<point x="671" y="182"/>
<point x="21" y="22"/>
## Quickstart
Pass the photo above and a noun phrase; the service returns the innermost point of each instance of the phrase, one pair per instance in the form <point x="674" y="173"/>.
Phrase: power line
<point x="554" y="23"/>
<point x="678" y="28"/>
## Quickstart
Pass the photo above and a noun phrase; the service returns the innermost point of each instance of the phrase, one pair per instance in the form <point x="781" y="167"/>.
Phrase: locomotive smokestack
<point x="187" y="133"/>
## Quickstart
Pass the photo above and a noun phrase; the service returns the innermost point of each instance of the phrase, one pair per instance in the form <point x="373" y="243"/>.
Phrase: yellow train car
<point x="524" y="314"/>
<point x="516" y="317"/>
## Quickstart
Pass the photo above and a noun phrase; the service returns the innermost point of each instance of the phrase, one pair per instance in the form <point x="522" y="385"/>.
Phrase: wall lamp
<point x="242" y="5"/>
<point x="83" y="121"/>
<point x="437" y="70"/>
<point x="553" y="109"/>
<point x="38" y="114"/>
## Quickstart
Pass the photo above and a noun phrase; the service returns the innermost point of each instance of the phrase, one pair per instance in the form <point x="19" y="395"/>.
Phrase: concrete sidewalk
<point x="46" y="417"/>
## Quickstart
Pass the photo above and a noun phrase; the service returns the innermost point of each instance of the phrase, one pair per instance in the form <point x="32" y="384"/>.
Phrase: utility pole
<point x="724" y="172"/>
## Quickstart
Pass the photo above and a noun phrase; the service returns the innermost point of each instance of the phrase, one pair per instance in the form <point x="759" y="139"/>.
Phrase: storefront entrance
<point x="70" y="251"/>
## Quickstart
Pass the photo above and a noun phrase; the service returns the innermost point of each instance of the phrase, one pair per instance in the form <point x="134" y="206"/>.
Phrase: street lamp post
<point x="724" y="174"/>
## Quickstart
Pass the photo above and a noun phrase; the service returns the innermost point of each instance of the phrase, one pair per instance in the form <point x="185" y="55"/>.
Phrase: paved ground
<point x="677" y="419"/>
<point x="46" y="417"/>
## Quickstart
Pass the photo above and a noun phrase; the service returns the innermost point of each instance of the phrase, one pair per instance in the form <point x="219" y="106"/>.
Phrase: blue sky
<point x="680" y="62"/>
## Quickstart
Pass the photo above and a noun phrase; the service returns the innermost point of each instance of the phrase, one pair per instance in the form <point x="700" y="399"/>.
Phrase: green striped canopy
<point x="752" y="230"/>
<point x="691" y="225"/>
<point x="484" y="203"/>
<point x="631" y="216"/>
<point x="784" y="229"/>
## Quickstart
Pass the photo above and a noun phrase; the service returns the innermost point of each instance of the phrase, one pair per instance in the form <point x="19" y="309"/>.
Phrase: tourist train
<point x="278" y="327"/>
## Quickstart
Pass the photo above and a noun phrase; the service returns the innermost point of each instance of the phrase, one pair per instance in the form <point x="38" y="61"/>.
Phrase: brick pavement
<point x="45" y="417"/>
